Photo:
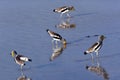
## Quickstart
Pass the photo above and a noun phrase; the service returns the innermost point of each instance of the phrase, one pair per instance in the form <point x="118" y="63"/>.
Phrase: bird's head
<point x="13" y="53"/>
<point x="102" y="37"/>
<point x="71" y="8"/>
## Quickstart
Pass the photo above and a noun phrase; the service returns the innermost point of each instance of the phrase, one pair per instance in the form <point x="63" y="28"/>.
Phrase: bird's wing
<point x="93" y="47"/>
<point x="24" y="58"/>
<point x="57" y="36"/>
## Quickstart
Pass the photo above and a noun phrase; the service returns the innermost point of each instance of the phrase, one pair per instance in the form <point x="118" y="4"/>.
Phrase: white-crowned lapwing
<point x="96" y="46"/>
<point x="56" y="37"/>
<point x="64" y="9"/>
<point x="20" y="59"/>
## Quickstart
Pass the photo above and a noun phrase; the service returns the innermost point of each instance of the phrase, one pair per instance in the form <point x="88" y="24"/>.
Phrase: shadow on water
<point x="82" y="38"/>
<point x="97" y="69"/>
<point x="23" y="77"/>
<point x="91" y="36"/>
<point x="44" y="66"/>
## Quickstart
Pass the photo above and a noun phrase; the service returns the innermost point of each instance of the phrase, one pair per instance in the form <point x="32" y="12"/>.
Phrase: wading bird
<point x="96" y="46"/>
<point x="56" y="37"/>
<point x="64" y="9"/>
<point x="20" y="59"/>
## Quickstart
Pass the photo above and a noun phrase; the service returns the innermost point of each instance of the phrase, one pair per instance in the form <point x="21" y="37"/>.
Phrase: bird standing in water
<point x="20" y="59"/>
<point x="56" y="37"/>
<point x="64" y="9"/>
<point x="96" y="46"/>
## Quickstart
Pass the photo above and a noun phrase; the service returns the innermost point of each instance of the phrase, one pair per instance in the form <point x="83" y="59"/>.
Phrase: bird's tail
<point x="87" y="67"/>
<point x="30" y="60"/>
<point x="53" y="10"/>
<point x="47" y="30"/>
<point x="85" y="53"/>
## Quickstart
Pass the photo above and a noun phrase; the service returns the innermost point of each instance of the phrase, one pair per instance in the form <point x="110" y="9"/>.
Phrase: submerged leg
<point x="61" y="15"/>
<point x="53" y="44"/>
<point x="92" y="56"/>
<point x="98" y="63"/>
<point x="52" y="41"/>
<point x="56" y="44"/>
<point x="68" y="15"/>
<point x="97" y="54"/>
<point x="21" y="67"/>
<point x="22" y="73"/>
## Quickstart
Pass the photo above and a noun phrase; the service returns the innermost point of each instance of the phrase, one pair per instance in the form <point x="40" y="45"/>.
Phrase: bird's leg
<point x="98" y="62"/>
<point x="61" y="15"/>
<point x="68" y="19"/>
<point x="22" y="73"/>
<point x="97" y="54"/>
<point x="68" y="15"/>
<point x="56" y="44"/>
<point x="21" y="67"/>
<point x="53" y="46"/>
<point x="53" y="43"/>
<point x="92" y="56"/>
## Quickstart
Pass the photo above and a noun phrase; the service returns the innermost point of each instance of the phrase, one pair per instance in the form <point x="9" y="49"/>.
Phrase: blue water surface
<point x="23" y="25"/>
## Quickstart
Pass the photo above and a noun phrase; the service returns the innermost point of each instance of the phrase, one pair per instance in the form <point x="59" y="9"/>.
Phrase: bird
<point x="96" y="46"/>
<point x="20" y="59"/>
<point x="64" y="9"/>
<point x="56" y="37"/>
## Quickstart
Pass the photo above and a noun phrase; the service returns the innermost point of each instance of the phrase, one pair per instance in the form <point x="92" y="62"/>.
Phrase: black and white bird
<point x="96" y="46"/>
<point x="56" y="37"/>
<point x="20" y="59"/>
<point x="64" y="9"/>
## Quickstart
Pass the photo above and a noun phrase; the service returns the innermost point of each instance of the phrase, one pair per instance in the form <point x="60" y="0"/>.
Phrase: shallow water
<point x="23" y="27"/>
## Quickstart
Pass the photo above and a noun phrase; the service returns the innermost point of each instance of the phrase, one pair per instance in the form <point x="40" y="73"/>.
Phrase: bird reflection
<point x="57" y="51"/>
<point x="99" y="70"/>
<point x="65" y="24"/>
<point x="23" y="77"/>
